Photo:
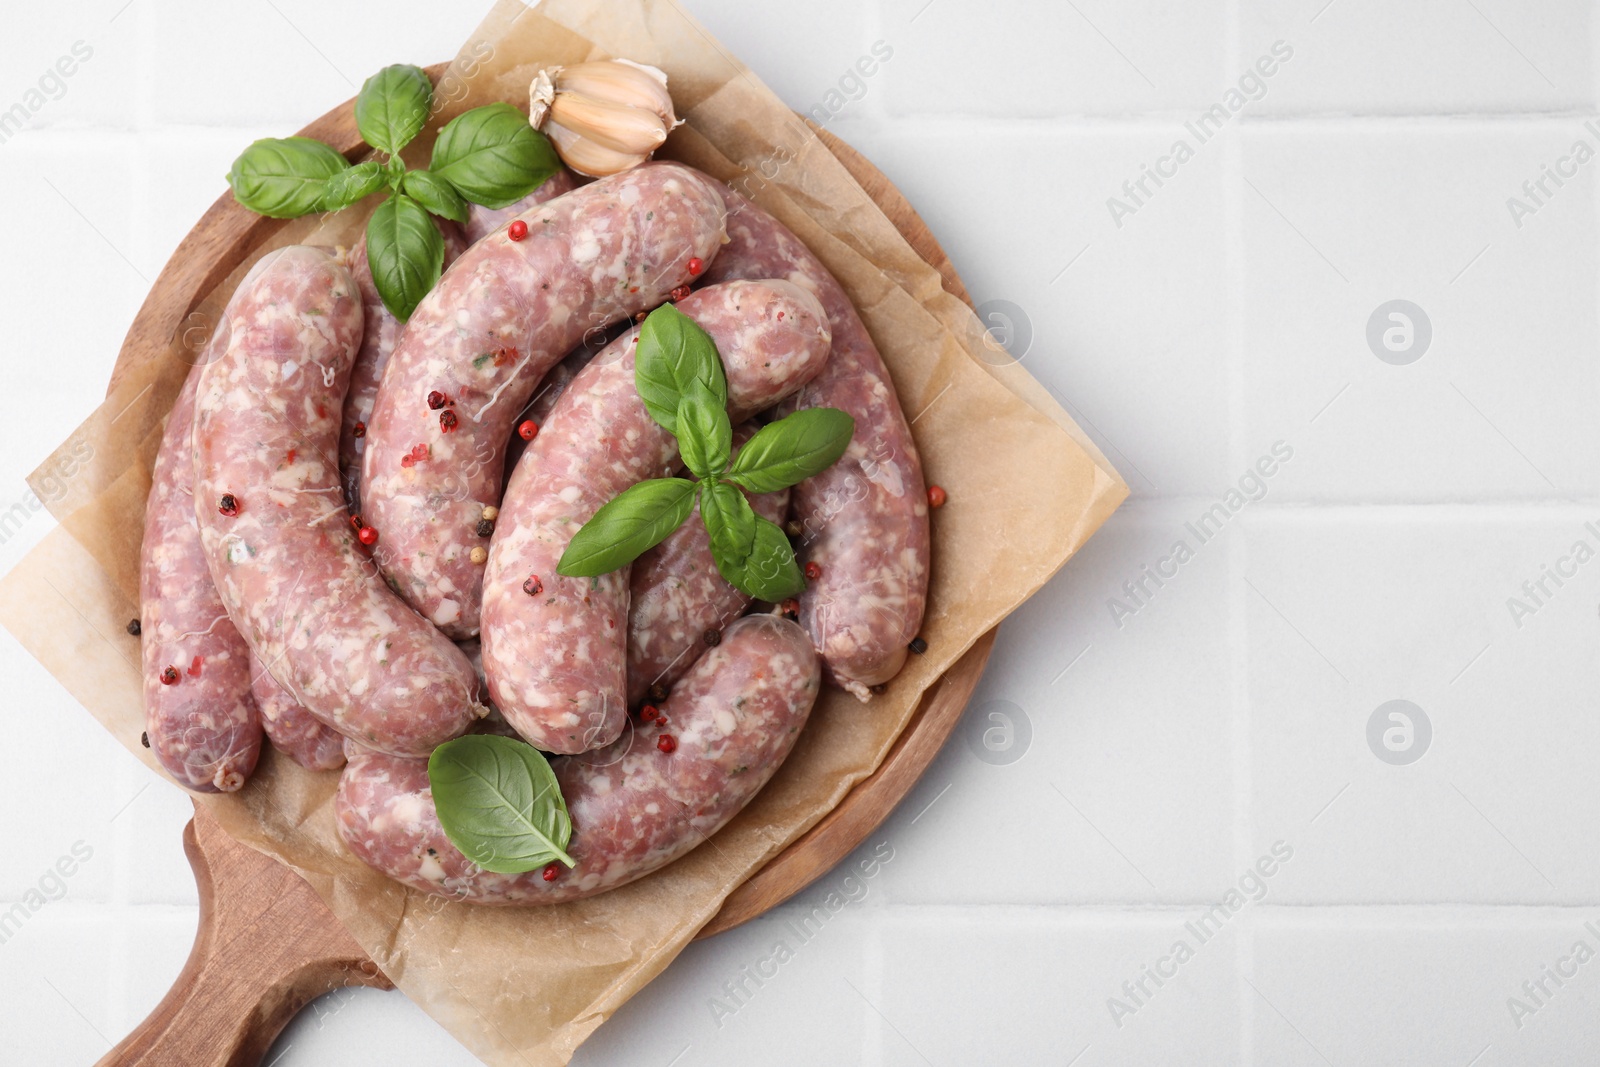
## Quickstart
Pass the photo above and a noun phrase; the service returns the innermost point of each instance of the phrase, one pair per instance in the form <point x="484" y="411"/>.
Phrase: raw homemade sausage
<point x="635" y="808"/>
<point x="378" y="339"/>
<point x="199" y="716"/>
<point x="277" y="536"/>
<point x="480" y="342"/>
<point x="482" y="221"/>
<point x="678" y="596"/>
<point x="292" y="729"/>
<point x="554" y="648"/>
<point x="865" y="519"/>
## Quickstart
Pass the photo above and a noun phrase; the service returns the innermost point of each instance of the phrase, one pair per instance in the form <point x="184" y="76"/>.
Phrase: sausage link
<point x="554" y="648"/>
<point x="202" y="724"/>
<point x="482" y="221"/>
<point x="484" y="338"/>
<point x="277" y="535"/>
<point x="378" y="338"/>
<point x="635" y="808"/>
<point x="292" y="729"/>
<point x="865" y="519"/>
<point x="678" y="596"/>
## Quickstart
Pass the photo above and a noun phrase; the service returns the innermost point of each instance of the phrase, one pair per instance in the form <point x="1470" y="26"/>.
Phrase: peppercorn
<point x="813" y="571"/>
<point x="795" y="529"/>
<point x="448" y="421"/>
<point x="228" y="505"/>
<point x="649" y="713"/>
<point x="679" y="293"/>
<point x="528" y="430"/>
<point x="790" y="609"/>
<point x="533" y="586"/>
<point x="491" y="512"/>
<point x="667" y="743"/>
<point x="437" y="400"/>
<point x="918" y="645"/>
<point x="552" y="871"/>
<point x="144" y="739"/>
<point x="479" y="556"/>
<point x="360" y="430"/>
<point x="485" y="527"/>
<point x="936" y="496"/>
<point x="659" y="692"/>
<point x="368" y="536"/>
<point x="696" y="265"/>
<point x="712" y="637"/>
<point x="135" y="628"/>
<point x="169" y="676"/>
<point x="517" y="231"/>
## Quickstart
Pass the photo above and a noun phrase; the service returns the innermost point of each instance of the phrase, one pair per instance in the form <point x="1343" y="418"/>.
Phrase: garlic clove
<point x="621" y="81"/>
<point x="619" y="127"/>
<point x="587" y="157"/>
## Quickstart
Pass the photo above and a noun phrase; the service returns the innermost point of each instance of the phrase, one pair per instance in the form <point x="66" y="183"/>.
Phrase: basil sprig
<point x="489" y="155"/>
<point x="682" y="384"/>
<point x="499" y="803"/>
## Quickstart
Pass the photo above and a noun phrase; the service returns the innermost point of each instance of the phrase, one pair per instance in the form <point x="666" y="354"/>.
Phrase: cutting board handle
<point x="267" y="946"/>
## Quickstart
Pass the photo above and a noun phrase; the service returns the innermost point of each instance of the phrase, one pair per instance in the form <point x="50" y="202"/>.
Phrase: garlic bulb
<point x="603" y="117"/>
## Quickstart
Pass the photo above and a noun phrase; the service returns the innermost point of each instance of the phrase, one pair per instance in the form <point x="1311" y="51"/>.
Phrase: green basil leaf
<point x="436" y="194"/>
<point x="492" y="156"/>
<point x="499" y="803"/>
<point x="348" y="186"/>
<point x="392" y="107"/>
<point x="284" y="178"/>
<point x="792" y="449"/>
<point x="636" y="521"/>
<point x="769" y="570"/>
<point x="705" y="436"/>
<point x="672" y="352"/>
<point x="731" y="522"/>
<point x="406" y="254"/>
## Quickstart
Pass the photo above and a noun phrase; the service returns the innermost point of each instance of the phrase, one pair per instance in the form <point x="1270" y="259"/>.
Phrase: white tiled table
<point x="1173" y="742"/>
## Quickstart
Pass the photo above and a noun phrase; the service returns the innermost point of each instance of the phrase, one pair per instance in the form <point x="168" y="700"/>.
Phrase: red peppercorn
<point x="790" y="609"/>
<point x="679" y="293"/>
<point x="367" y="535"/>
<point x="437" y="400"/>
<point x="696" y="265"/>
<point x="517" y="230"/>
<point x="667" y="743"/>
<point x="169" y="676"/>
<point x="448" y="421"/>
<point x="360" y="430"/>
<point x="528" y="430"/>
<point x="356" y="523"/>
<point x="533" y="586"/>
<point x="552" y="871"/>
<point x="649" y="713"/>
<point x="228" y="505"/>
<point x="936" y="496"/>
<point x="661" y="719"/>
<point x="813" y="570"/>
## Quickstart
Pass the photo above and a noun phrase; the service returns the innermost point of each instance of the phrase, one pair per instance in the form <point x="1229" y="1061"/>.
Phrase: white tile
<point x="362" y="1026"/>
<point x="1039" y="59"/>
<point x="1123" y="322"/>
<point x="1349" y="612"/>
<point x="57" y="976"/>
<point x="77" y="66"/>
<point x="1403" y="986"/>
<point x="1427" y="56"/>
<point x="156" y="942"/>
<point x="1123" y="788"/>
<point x="1033" y="985"/>
<point x="834" y="35"/>
<point x="1339" y="222"/>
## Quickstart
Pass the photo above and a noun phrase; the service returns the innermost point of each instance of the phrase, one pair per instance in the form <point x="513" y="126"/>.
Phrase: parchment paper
<point x="1026" y="489"/>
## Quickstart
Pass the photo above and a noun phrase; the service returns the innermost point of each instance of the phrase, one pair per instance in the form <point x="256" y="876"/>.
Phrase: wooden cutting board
<point x="267" y="945"/>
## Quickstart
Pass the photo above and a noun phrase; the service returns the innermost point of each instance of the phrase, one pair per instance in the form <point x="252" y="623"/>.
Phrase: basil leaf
<point x="705" y="436"/>
<point x="492" y="156"/>
<point x="284" y="178"/>
<point x="499" y="803"/>
<point x="406" y="254"/>
<point x="792" y="449"/>
<point x="392" y="107"/>
<point x="437" y="195"/>
<point x="636" y="521"/>
<point x="731" y="522"/>
<point x="348" y="186"/>
<point x="769" y="571"/>
<point x="672" y="352"/>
